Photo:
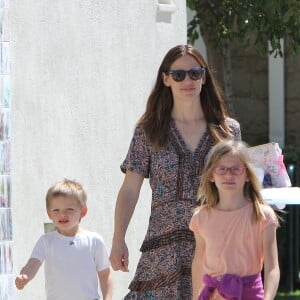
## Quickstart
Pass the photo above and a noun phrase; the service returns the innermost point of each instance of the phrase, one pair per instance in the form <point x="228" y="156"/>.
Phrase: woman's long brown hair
<point x="157" y="116"/>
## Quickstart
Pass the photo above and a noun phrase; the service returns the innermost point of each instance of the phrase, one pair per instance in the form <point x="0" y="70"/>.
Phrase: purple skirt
<point x="233" y="287"/>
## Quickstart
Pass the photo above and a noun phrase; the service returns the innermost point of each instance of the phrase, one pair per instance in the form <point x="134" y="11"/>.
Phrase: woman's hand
<point x="119" y="256"/>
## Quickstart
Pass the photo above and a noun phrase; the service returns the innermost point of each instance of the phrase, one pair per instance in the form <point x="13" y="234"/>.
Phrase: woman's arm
<point x="126" y="202"/>
<point x="27" y="273"/>
<point x="271" y="265"/>
<point x="106" y="283"/>
<point x="197" y="272"/>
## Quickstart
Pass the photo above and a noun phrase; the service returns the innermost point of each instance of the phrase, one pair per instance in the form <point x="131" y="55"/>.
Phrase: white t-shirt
<point x="71" y="264"/>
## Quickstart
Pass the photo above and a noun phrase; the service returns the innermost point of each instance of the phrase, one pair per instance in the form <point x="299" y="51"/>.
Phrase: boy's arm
<point x="27" y="272"/>
<point x="271" y="265"/>
<point x="106" y="283"/>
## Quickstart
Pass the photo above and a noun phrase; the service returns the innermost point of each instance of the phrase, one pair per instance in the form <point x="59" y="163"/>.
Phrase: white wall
<point x="81" y="72"/>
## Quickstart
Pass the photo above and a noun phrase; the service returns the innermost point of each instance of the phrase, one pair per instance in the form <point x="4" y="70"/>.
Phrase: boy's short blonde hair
<point x="67" y="188"/>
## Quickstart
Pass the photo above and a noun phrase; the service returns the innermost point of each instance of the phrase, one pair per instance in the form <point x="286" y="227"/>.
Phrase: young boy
<point x="74" y="257"/>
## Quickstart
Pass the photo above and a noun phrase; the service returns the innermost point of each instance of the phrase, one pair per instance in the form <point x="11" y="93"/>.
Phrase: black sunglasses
<point x="194" y="73"/>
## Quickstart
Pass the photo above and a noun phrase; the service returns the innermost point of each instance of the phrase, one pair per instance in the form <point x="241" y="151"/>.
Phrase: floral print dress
<point x="164" y="269"/>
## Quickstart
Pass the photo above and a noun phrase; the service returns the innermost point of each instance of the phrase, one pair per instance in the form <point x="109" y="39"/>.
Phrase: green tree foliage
<point x="250" y="22"/>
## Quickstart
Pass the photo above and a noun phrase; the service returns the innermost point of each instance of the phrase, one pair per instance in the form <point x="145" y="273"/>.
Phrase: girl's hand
<point x="21" y="281"/>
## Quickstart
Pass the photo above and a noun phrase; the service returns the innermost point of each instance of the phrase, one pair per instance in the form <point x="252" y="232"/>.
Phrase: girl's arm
<point x="197" y="272"/>
<point x="271" y="265"/>
<point x="126" y="202"/>
<point x="27" y="273"/>
<point x="106" y="283"/>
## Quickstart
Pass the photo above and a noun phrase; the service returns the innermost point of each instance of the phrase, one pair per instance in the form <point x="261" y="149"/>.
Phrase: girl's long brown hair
<point x="157" y="116"/>
<point x="208" y="192"/>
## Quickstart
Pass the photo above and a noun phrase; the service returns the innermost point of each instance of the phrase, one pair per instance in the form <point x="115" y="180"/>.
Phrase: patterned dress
<point x="164" y="269"/>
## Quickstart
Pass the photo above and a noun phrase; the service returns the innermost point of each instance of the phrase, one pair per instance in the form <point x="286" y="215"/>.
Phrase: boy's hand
<point x="27" y="272"/>
<point x="21" y="281"/>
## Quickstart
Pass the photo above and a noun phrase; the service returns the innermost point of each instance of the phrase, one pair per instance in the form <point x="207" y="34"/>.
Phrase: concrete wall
<point x="253" y="100"/>
<point x="81" y="72"/>
<point x="292" y="96"/>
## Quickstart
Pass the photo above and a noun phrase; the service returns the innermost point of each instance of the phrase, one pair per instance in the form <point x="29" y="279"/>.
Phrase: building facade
<point x="81" y="72"/>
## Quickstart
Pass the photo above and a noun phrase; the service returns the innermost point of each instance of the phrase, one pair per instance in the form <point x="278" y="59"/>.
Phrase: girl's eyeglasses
<point x="179" y="75"/>
<point x="233" y="170"/>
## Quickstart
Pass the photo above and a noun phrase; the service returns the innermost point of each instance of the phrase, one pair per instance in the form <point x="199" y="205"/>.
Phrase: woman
<point x="185" y="116"/>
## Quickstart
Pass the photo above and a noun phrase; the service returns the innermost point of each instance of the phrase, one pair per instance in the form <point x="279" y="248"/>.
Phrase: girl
<point x="235" y="230"/>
